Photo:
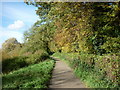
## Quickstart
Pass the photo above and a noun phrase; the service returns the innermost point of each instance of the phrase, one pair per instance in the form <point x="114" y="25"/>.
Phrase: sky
<point x="16" y="17"/>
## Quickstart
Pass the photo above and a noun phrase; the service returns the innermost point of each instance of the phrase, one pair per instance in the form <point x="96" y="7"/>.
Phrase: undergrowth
<point x="33" y="76"/>
<point x="96" y="71"/>
<point x="14" y="63"/>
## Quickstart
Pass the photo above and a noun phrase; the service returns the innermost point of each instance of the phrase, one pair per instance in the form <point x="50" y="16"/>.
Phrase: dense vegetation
<point x="25" y="70"/>
<point x="33" y="76"/>
<point x="96" y="71"/>
<point x="90" y="29"/>
<point x="75" y="27"/>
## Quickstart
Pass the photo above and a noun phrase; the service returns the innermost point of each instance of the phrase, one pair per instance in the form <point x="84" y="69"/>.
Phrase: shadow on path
<point x="63" y="77"/>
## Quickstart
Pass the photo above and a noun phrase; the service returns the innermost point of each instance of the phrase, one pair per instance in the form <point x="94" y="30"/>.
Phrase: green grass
<point x="14" y="63"/>
<point x="33" y="76"/>
<point x="85" y="70"/>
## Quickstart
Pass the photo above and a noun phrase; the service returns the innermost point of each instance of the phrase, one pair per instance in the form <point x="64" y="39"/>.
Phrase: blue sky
<point x="16" y="17"/>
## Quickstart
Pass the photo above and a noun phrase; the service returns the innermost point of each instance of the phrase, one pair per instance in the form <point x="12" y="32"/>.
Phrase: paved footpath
<point x="63" y="77"/>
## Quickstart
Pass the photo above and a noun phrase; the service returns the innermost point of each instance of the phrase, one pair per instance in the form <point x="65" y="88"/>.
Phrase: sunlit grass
<point x="33" y="76"/>
<point x="91" y="69"/>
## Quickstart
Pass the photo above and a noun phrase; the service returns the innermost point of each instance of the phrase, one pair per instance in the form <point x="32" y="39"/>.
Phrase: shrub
<point x="108" y="64"/>
<point x="97" y="71"/>
<point x="112" y="45"/>
<point x="4" y="55"/>
<point x="13" y="64"/>
<point x="38" y="56"/>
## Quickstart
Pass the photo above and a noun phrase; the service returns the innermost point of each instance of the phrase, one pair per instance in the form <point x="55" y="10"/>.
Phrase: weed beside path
<point x="92" y="69"/>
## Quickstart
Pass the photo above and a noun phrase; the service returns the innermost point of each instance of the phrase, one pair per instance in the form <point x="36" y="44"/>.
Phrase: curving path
<point x="63" y="77"/>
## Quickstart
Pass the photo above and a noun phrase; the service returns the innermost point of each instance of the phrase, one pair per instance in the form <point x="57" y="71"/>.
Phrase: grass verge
<point x="94" y="70"/>
<point x="33" y="76"/>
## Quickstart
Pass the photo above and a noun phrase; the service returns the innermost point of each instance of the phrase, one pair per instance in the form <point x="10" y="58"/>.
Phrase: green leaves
<point x="73" y="25"/>
<point x="95" y="70"/>
<point x="112" y="45"/>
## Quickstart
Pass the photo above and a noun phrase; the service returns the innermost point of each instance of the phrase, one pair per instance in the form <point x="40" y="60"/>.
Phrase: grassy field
<point x="33" y="76"/>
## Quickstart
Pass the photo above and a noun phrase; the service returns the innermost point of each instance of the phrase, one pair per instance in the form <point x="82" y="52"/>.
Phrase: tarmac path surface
<point x="63" y="77"/>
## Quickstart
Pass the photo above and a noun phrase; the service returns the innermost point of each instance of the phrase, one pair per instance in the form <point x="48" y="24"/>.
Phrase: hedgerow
<point x="95" y="70"/>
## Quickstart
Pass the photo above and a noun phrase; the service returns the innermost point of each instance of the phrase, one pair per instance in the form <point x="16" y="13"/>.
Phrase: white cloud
<point x="9" y="34"/>
<point x="5" y="34"/>
<point x="16" y="25"/>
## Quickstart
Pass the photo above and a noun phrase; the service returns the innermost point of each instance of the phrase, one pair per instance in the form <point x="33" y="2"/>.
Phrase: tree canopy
<point x="76" y="27"/>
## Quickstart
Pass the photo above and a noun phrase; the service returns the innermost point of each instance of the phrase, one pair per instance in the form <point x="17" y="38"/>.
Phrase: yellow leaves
<point x="83" y="33"/>
<point x="66" y="47"/>
<point x="52" y="46"/>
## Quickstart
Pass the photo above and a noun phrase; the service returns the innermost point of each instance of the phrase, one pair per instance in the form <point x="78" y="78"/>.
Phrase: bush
<point x="38" y="56"/>
<point x="10" y="54"/>
<point x="97" y="71"/>
<point x="112" y="45"/>
<point x="109" y="65"/>
<point x="4" y="55"/>
<point x="13" y="64"/>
